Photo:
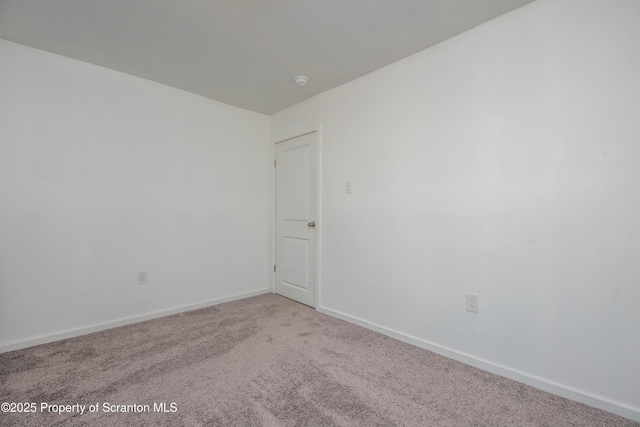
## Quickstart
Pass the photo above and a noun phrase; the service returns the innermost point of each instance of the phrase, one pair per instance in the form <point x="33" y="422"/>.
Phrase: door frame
<point x="318" y="213"/>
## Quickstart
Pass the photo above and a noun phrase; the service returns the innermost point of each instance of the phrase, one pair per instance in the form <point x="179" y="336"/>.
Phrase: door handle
<point x="312" y="224"/>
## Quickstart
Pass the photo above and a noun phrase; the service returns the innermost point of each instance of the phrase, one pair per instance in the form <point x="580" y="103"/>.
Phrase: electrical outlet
<point x="143" y="277"/>
<point x="472" y="302"/>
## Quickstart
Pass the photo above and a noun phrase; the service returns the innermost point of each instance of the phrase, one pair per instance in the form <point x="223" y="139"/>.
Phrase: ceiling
<point x="243" y="52"/>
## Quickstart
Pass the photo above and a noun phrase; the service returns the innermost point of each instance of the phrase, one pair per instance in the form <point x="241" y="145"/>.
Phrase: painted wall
<point x="504" y="162"/>
<point x="103" y="174"/>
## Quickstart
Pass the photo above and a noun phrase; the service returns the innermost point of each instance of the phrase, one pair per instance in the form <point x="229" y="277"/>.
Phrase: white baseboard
<point x="70" y="333"/>
<point x="617" y="408"/>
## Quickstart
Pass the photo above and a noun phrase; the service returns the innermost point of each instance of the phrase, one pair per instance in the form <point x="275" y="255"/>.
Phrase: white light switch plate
<point x="143" y="277"/>
<point x="472" y="302"/>
<point x="348" y="187"/>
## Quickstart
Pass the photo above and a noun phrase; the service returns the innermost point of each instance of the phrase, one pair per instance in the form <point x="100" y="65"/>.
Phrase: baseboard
<point x="43" y="339"/>
<point x="617" y="408"/>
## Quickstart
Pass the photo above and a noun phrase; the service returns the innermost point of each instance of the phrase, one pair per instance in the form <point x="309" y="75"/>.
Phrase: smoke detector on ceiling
<point x="301" y="80"/>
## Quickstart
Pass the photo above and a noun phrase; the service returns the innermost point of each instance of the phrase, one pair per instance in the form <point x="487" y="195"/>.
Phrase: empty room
<point x="317" y="213"/>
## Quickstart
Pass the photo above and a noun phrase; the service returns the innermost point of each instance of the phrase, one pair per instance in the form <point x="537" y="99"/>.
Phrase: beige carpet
<point x="265" y="361"/>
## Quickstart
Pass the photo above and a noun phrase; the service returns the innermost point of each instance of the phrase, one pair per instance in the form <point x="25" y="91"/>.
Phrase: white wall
<point x="505" y="162"/>
<point x="103" y="174"/>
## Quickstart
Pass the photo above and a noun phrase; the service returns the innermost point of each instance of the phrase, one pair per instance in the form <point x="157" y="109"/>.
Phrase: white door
<point x="295" y="219"/>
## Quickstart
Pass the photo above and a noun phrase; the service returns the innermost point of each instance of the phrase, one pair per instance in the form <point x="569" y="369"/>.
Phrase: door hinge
<point x="274" y="163"/>
<point x="274" y="268"/>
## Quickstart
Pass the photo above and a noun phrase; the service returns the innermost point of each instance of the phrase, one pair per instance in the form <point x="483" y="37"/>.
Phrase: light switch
<point x="348" y="187"/>
<point x="143" y="277"/>
<point x="472" y="302"/>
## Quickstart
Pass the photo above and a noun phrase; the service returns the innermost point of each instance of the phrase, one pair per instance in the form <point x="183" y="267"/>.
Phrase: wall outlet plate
<point x="472" y="302"/>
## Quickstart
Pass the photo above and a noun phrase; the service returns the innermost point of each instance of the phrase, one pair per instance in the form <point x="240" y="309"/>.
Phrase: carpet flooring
<point x="264" y="361"/>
